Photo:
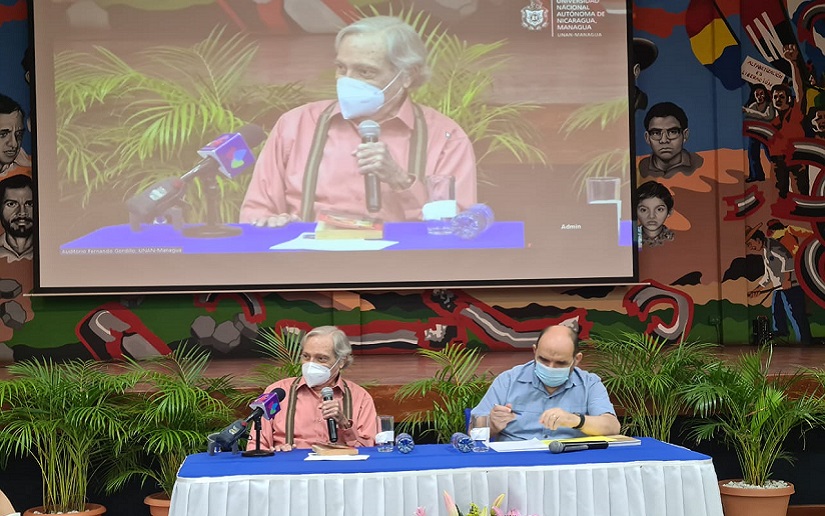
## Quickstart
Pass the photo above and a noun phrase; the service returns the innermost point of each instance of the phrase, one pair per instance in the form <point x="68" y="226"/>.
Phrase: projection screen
<point x="156" y="119"/>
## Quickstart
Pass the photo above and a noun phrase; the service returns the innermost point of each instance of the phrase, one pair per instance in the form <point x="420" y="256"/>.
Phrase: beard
<point x="20" y="227"/>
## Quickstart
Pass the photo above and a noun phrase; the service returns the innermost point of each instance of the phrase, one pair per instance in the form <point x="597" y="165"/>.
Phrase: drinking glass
<point x="441" y="205"/>
<point x="385" y="433"/>
<point x="480" y="432"/>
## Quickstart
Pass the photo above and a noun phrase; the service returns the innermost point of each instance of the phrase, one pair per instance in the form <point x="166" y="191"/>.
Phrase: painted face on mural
<point x="780" y="100"/>
<point x="652" y="214"/>
<point x="11" y="136"/>
<point x="760" y="95"/>
<point x="666" y="137"/>
<point x="754" y="245"/>
<point x="17" y="212"/>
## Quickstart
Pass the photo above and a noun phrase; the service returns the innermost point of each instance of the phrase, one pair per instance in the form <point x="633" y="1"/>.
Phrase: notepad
<point x="542" y="445"/>
<point x="315" y="456"/>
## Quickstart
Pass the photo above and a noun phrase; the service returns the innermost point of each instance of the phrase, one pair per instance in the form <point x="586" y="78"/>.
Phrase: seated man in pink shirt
<point x="302" y="421"/>
<point x="316" y="160"/>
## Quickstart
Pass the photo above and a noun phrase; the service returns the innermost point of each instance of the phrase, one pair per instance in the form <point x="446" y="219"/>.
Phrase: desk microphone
<point x="370" y="131"/>
<point x="326" y="395"/>
<point x="560" y="447"/>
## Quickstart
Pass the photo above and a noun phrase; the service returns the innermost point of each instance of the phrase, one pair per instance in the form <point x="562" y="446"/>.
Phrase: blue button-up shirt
<point x="583" y="392"/>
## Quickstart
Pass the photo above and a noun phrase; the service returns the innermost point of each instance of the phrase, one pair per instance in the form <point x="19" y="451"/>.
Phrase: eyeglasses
<point x="672" y="132"/>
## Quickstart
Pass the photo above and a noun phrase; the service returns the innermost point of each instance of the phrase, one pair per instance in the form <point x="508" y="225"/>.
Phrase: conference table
<point x="296" y="236"/>
<point x="650" y="479"/>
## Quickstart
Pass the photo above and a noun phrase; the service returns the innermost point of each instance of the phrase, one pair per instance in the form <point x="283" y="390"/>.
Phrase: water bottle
<point x="404" y="442"/>
<point x="473" y="221"/>
<point x="462" y="442"/>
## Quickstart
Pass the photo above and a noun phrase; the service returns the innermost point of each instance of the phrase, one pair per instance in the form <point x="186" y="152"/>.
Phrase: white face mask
<point x="359" y="98"/>
<point x="316" y="374"/>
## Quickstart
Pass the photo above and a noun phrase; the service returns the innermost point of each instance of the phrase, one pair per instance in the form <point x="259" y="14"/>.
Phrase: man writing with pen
<point x="549" y="397"/>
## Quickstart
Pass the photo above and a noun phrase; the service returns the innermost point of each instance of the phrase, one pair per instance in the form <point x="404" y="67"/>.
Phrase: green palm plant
<point x="157" y="107"/>
<point x="457" y="385"/>
<point x="171" y="418"/>
<point x="282" y="349"/>
<point x="751" y="409"/>
<point x="647" y="377"/>
<point x="610" y="162"/>
<point x="67" y="417"/>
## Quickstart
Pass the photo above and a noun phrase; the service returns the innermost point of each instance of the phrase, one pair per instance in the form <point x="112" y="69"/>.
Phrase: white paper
<point x="480" y="434"/>
<point x="308" y="242"/>
<point x="387" y="436"/>
<point x="512" y="446"/>
<point x="315" y="456"/>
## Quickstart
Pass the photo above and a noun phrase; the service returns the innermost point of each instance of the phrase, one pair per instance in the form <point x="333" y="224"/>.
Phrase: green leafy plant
<point x="67" y="417"/>
<point x="647" y="377"/>
<point x="456" y="385"/>
<point x="171" y="418"/>
<point x="126" y="122"/>
<point x="751" y="409"/>
<point x="607" y="163"/>
<point x="282" y="348"/>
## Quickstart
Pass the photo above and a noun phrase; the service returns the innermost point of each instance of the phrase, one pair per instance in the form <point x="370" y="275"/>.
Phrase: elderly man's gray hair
<point x="340" y="343"/>
<point x="405" y="49"/>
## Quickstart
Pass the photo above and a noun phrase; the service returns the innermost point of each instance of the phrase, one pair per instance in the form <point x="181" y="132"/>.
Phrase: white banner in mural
<point x="756" y="72"/>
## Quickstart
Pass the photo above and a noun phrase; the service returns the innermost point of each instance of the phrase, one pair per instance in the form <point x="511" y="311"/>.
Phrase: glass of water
<point x="385" y="433"/>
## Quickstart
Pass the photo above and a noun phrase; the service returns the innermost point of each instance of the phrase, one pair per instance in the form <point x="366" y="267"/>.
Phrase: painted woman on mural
<point x="654" y="206"/>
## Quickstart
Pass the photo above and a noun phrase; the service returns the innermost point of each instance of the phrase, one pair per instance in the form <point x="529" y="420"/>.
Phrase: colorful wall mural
<point x="729" y="125"/>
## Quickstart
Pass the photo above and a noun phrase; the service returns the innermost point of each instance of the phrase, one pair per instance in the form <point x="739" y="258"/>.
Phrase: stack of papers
<point x="542" y="445"/>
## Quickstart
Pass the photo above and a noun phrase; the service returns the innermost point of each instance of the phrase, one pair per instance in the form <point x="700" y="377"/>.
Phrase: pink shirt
<point x="277" y="181"/>
<point x="309" y="427"/>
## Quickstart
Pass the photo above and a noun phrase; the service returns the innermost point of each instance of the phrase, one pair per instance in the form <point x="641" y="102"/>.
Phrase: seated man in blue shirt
<point x="549" y="397"/>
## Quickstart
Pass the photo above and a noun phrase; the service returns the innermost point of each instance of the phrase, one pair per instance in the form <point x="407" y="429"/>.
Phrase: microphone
<point x="266" y="405"/>
<point x="227" y="438"/>
<point x="230" y="154"/>
<point x="560" y="447"/>
<point x="155" y="200"/>
<point x="326" y="395"/>
<point x="370" y="131"/>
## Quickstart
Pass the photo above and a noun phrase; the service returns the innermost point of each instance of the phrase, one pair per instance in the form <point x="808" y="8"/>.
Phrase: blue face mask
<point x="552" y="376"/>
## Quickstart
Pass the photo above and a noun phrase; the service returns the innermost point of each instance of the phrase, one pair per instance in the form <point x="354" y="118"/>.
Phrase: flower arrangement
<point x="475" y="510"/>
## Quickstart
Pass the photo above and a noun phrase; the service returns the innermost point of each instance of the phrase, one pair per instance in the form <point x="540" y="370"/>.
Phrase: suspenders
<point x="293" y="398"/>
<point x="415" y="165"/>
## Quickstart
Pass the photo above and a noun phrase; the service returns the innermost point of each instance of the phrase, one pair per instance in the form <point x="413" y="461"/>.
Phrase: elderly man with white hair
<point x="315" y="159"/>
<point x="302" y="420"/>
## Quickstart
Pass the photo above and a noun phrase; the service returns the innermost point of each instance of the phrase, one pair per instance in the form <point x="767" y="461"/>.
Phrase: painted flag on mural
<point x="713" y="42"/>
<point x="768" y="26"/>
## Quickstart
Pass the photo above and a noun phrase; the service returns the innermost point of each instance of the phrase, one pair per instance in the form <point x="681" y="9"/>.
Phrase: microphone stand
<point x="258" y="452"/>
<point x="212" y="229"/>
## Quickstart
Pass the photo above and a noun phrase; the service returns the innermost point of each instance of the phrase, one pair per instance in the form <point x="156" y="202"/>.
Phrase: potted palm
<point x="752" y="410"/>
<point x="647" y="376"/>
<point x="282" y="350"/>
<point x="65" y="416"/>
<point x="456" y="386"/>
<point x="171" y="418"/>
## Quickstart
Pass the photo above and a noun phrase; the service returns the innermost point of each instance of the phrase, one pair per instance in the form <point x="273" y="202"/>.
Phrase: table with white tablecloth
<point x="652" y="479"/>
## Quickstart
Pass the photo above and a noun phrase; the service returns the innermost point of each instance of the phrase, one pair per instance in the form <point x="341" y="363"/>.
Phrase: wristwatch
<point x="581" y="420"/>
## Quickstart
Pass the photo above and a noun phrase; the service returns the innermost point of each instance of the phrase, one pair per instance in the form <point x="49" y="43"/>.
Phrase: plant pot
<point x="158" y="504"/>
<point x="92" y="509"/>
<point x="741" y="501"/>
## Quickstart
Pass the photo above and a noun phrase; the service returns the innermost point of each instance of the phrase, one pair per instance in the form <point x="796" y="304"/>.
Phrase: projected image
<point x="392" y="143"/>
